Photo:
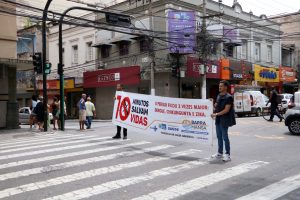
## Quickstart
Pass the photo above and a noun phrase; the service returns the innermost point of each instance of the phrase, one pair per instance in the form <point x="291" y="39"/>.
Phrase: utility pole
<point x="151" y="48"/>
<point x="204" y="50"/>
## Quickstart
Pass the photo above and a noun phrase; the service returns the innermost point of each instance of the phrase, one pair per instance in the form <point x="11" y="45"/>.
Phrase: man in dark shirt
<point x="274" y="105"/>
<point x="118" y="135"/>
<point x="225" y="117"/>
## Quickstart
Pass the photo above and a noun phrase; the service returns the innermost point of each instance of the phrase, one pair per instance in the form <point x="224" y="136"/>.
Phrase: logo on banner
<point x="163" y="126"/>
<point x="269" y="74"/>
<point x="194" y="126"/>
<point x="109" y="77"/>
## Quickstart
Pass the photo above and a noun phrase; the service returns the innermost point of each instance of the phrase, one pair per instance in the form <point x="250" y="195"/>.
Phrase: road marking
<point x="57" y="143"/>
<point x="57" y="149"/>
<point x="35" y="139"/>
<point x="273" y="137"/>
<point x="201" y="182"/>
<point x="117" y="184"/>
<point x="66" y="155"/>
<point x="42" y="141"/>
<point x="91" y="173"/>
<point x="275" y="190"/>
<point x="69" y="164"/>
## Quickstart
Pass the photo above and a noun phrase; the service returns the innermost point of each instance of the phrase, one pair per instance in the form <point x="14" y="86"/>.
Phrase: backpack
<point x="279" y="98"/>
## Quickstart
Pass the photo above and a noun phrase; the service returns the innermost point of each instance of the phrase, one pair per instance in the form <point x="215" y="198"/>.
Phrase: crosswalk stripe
<point x="57" y="143"/>
<point x="69" y="164"/>
<point x="276" y="190"/>
<point x="201" y="182"/>
<point x="36" y="139"/>
<point x="55" y="149"/>
<point x="91" y="173"/>
<point x="66" y="155"/>
<point x="117" y="184"/>
<point x="41" y="141"/>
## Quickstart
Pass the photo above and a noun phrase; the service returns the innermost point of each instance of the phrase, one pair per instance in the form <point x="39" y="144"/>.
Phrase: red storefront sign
<point x="194" y="65"/>
<point x="112" y="77"/>
<point x="287" y="74"/>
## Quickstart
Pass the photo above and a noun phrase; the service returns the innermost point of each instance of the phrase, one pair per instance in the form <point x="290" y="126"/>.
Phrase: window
<point x="144" y="45"/>
<point x="124" y="48"/>
<point x="105" y="51"/>
<point x="75" y="54"/>
<point x="229" y="50"/>
<point x="244" y="51"/>
<point x="89" y="52"/>
<point x="257" y="52"/>
<point x="269" y="53"/>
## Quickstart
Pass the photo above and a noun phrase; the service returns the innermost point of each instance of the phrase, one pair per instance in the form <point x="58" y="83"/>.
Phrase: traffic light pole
<point x="44" y="49"/>
<point x="60" y="64"/>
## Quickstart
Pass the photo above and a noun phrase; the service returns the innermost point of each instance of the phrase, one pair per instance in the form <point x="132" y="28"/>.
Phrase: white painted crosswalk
<point x="28" y="168"/>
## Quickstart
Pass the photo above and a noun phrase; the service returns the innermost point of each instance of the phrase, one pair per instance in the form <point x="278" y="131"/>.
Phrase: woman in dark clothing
<point x="39" y="111"/>
<point x="54" y="111"/>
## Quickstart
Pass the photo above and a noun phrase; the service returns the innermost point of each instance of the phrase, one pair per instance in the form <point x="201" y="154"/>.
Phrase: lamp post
<point x="112" y="18"/>
<point x="44" y="50"/>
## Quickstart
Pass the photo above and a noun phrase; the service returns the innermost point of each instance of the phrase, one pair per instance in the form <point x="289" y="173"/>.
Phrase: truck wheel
<point x="258" y="112"/>
<point x="294" y="126"/>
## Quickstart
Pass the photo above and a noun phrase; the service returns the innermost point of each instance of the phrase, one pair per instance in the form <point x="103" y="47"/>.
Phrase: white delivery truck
<point x="249" y="102"/>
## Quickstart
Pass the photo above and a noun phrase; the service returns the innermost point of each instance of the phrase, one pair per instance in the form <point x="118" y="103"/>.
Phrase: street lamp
<point x="111" y="18"/>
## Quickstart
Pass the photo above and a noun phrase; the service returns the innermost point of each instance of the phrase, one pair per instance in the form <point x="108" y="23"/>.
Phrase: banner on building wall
<point x="181" y="29"/>
<point x="188" y="119"/>
<point x="112" y="77"/>
<point x="194" y="64"/>
<point x="287" y="74"/>
<point x="225" y="69"/>
<point x="265" y="74"/>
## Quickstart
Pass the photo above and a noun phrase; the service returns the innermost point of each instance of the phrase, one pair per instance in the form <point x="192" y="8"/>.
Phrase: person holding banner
<point x="225" y="118"/>
<point x="118" y="135"/>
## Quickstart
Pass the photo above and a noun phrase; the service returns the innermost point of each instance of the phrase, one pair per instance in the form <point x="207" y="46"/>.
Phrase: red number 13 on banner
<point x="123" y="109"/>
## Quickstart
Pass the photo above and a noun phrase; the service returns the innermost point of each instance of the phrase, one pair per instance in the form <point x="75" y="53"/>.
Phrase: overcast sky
<point x="258" y="7"/>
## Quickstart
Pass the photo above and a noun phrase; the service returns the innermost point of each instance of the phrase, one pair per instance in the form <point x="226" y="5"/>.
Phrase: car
<point x="286" y="100"/>
<point x="292" y="115"/>
<point x="24" y="115"/>
<point x="250" y="102"/>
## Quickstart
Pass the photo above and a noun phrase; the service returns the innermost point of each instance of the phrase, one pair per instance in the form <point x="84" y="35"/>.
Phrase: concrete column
<point x="12" y="116"/>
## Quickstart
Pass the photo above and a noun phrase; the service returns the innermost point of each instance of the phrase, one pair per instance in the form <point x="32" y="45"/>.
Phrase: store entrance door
<point x="191" y="90"/>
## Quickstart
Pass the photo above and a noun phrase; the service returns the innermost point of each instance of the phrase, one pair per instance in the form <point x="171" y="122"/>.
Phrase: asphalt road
<point x="90" y="165"/>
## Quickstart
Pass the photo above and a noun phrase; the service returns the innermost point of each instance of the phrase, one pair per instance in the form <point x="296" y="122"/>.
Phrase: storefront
<point x="287" y="78"/>
<point x="191" y="85"/>
<point x="266" y="77"/>
<point x="103" y="83"/>
<point x="71" y="91"/>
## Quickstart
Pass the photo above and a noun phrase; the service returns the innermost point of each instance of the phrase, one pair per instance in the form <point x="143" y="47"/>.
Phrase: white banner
<point x="178" y="118"/>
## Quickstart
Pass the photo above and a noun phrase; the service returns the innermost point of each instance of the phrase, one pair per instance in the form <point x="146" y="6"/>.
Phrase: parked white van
<point x="249" y="102"/>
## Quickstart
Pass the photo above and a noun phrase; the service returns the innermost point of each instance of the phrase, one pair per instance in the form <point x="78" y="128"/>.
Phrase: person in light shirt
<point x="90" y="112"/>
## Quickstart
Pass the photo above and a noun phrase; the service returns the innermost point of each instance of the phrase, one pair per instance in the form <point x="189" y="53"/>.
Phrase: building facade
<point x="78" y="57"/>
<point x="238" y="38"/>
<point x="8" y="65"/>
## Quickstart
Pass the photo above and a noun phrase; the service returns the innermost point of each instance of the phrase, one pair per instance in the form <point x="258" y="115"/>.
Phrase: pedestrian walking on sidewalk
<point x="54" y="107"/>
<point x="225" y="118"/>
<point x="274" y="100"/>
<point x="90" y="112"/>
<point x="119" y="128"/>
<point x="82" y="111"/>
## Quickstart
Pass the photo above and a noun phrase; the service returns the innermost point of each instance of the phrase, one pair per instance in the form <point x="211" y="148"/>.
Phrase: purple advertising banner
<point x="182" y="28"/>
<point x="230" y="33"/>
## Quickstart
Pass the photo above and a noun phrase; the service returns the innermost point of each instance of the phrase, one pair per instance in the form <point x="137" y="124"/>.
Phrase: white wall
<point x="75" y="36"/>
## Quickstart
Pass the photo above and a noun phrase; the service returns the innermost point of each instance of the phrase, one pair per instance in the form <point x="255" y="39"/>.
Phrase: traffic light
<point x="47" y="69"/>
<point x="37" y="62"/>
<point x="174" y="70"/>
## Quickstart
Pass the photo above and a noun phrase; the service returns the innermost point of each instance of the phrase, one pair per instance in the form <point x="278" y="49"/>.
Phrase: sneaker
<point x="216" y="156"/>
<point x="116" y="137"/>
<point x="226" y="158"/>
<point x="270" y="120"/>
<point x="125" y="138"/>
